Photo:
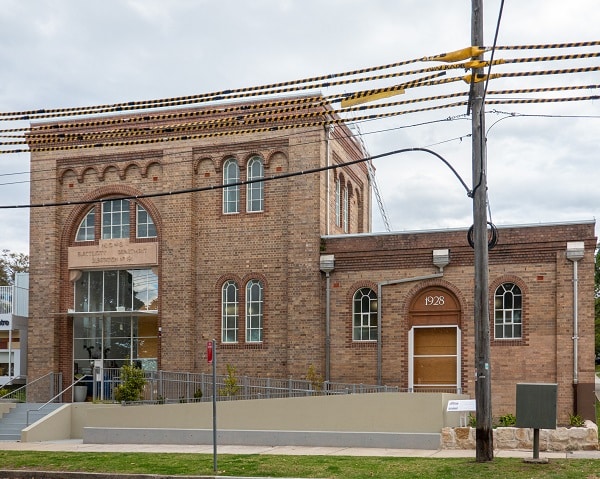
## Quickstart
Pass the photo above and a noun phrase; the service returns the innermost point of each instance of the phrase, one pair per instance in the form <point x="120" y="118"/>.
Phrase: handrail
<point x="28" y="384"/>
<point x="12" y="380"/>
<point x="53" y="398"/>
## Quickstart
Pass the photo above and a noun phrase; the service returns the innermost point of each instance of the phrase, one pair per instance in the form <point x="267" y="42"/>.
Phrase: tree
<point x="11" y="263"/>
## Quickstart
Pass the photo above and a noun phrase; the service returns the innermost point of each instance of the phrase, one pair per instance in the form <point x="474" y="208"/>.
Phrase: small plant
<point x="3" y="392"/>
<point x="315" y="379"/>
<point x="133" y="382"/>
<point x="198" y="394"/>
<point x="507" y="420"/>
<point x="160" y="400"/>
<point x="575" y="420"/>
<point x="472" y="420"/>
<point x="231" y="387"/>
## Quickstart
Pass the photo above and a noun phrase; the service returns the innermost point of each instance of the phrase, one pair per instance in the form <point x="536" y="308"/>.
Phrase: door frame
<point x="411" y="371"/>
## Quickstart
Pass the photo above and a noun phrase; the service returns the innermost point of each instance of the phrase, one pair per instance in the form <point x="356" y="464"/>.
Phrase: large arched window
<point x="508" y="309"/>
<point x="115" y="222"/>
<point x="255" y="191"/>
<point x="229" y="312"/>
<point x="254" y="311"/>
<point x="231" y="194"/>
<point x="364" y="315"/>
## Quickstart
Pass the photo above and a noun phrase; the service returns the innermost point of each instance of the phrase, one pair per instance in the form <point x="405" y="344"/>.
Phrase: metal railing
<point x="52" y="399"/>
<point x="44" y="386"/>
<point x="14" y="300"/>
<point x="6" y="299"/>
<point x="178" y="387"/>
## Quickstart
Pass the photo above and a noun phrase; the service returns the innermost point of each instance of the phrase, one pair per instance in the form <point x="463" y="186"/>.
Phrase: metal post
<point x="214" y="395"/>
<point x="484" y="450"/>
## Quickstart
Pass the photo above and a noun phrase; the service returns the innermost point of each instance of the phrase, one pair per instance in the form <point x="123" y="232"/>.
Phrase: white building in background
<point x="14" y="310"/>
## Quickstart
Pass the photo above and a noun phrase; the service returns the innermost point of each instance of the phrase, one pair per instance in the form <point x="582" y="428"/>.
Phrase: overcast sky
<point x="67" y="53"/>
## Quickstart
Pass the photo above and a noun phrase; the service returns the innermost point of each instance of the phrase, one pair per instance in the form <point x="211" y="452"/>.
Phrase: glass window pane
<point x="145" y="224"/>
<point x="110" y="290"/>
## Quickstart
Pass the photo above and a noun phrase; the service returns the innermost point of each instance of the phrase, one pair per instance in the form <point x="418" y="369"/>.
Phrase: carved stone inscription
<point x="113" y="253"/>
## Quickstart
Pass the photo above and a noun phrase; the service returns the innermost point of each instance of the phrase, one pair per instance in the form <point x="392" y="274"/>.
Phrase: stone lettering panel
<point x="113" y="254"/>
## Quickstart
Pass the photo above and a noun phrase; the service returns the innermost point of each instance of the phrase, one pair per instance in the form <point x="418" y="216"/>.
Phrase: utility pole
<point x="484" y="447"/>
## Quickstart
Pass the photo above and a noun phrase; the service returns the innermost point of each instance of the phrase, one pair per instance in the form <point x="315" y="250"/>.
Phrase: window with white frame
<point x="229" y="312"/>
<point x="87" y="227"/>
<point x="338" y="202"/>
<point x="364" y="315"/>
<point x="254" y="311"/>
<point x="231" y="194"/>
<point x="255" y="191"/>
<point x="508" y="312"/>
<point x="145" y="227"/>
<point x="115" y="219"/>
<point x="346" y="210"/>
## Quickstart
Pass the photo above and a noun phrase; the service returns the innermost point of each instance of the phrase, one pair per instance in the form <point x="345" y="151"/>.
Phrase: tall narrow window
<point x="338" y="202"/>
<point x="364" y="315"/>
<point x="87" y="228"/>
<point x="254" y="311"/>
<point x="229" y="312"/>
<point x="508" y="310"/>
<point x="115" y="219"/>
<point x="231" y="194"/>
<point x="255" y="191"/>
<point x="346" y="210"/>
<point x="145" y="225"/>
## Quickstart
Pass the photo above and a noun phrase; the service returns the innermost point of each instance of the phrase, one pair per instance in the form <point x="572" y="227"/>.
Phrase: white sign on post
<point x="461" y="405"/>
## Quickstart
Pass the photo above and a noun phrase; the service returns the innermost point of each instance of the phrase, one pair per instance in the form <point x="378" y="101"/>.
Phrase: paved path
<point x="75" y="445"/>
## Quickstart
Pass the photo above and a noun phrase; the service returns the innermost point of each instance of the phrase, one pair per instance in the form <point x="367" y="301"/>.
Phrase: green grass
<point x="297" y="466"/>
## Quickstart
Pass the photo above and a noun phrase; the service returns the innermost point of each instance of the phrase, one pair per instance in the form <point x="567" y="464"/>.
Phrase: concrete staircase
<point x="13" y="422"/>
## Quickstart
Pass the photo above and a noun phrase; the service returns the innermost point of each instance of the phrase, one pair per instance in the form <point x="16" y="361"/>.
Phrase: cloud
<point x="65" y="53"/>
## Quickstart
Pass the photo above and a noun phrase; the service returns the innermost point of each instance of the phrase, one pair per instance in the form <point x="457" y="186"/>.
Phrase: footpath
<point x="75" y="445"/>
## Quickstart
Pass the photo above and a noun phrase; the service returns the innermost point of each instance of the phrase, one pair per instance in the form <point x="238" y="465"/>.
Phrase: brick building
<point x="149" y="244"/>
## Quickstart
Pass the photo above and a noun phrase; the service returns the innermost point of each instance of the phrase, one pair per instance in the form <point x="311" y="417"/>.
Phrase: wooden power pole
<point x="484" y="448"/>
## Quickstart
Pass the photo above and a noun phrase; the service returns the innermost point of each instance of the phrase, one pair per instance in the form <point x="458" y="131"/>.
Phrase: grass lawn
<point x="297" y="466"/>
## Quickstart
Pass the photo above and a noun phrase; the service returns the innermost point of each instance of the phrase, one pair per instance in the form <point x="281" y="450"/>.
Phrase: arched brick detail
<point x="202" y="160"/>
<point x="431" y="283"/>
<point x="65" y="172"/>
<point x="146" y="168"/>
<point x="274" y="157"/>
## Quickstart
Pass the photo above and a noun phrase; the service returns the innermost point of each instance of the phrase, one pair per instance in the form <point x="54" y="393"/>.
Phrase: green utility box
<point x="536" y="405"/>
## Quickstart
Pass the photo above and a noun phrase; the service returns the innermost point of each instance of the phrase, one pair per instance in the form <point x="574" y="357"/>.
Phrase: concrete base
<point x="536" y="460"/>
<point x="387" y="440"/>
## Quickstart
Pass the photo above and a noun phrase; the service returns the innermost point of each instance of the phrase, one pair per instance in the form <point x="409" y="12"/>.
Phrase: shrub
<point x="132" y="385"/>
<point x="507" y="420"/>
<point x="231" y="387"/>
<point x="315" y="379"/>
<point x="575" y="420"/>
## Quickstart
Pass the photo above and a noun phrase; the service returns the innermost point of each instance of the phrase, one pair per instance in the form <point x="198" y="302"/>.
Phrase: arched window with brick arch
<point x="364" y="315"/>
<point x="229" y="312"/>
<point x="508" y="312"/>
<point x="231" y="194"/>
<point x="255" y="190"/>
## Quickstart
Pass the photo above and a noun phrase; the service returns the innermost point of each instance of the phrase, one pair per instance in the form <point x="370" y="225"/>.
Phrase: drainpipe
<point x="327" y="263"/>
<point x="329" y="129"/>
<point x="441" y="258"/>
<point x="575" y="252"/>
